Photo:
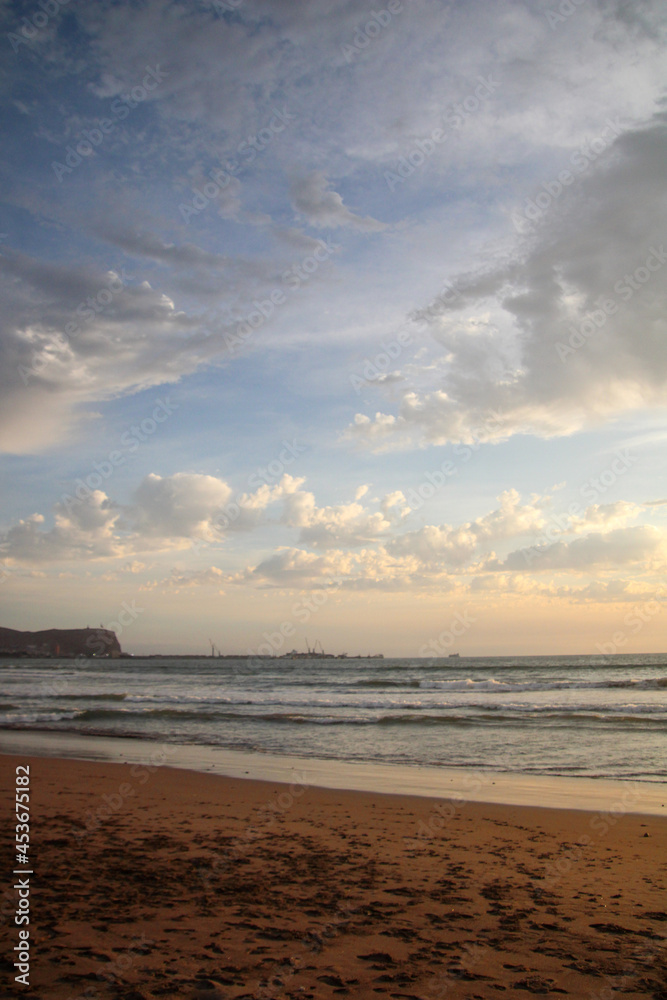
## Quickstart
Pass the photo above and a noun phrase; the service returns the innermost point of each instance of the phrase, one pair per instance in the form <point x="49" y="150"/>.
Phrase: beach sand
<point x="158" y="882"/>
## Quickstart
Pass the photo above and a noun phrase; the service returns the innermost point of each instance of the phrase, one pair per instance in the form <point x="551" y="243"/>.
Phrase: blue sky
<point x="347" y="302"/>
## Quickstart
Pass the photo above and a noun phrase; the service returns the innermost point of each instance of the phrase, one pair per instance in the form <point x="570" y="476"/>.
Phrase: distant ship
<point x="313" y="654"/>
<point x="454" y="656"/>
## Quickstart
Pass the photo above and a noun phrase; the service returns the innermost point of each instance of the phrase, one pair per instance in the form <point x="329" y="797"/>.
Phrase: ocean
<point x="588" y="716"/>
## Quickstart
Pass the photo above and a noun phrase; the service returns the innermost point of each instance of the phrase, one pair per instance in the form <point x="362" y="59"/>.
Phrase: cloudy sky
<point x="336" y="317"/>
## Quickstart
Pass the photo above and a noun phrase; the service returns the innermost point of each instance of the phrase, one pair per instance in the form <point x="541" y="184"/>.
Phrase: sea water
<point x="588" y="716"/>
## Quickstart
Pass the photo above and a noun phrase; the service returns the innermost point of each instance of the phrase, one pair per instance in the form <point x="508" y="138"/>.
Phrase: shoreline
<point x="154" y="881"/>
<point x="457" y="784"/>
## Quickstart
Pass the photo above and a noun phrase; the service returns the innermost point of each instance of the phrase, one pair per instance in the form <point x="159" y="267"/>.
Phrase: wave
<point x="417" y="697"/>
<point x="93" y="697"/>
<point x="184" y="714"/>
<point x="17" y="720"/>
<point x="237" y="694"/>
<point x="382" y="683"/>
<point x="176" y="698"/>
<point x="502" y="687"/>
<point x="484" y="716"/>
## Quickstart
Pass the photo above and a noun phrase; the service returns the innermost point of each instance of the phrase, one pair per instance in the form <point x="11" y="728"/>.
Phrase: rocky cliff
<point x="59" y="642"/>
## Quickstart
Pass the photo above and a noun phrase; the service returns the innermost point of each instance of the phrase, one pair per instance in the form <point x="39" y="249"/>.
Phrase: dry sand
<point x="188" y="885"/>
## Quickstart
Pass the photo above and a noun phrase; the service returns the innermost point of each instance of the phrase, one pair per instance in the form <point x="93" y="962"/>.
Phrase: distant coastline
<point x="190" y="656"/>
<point x="103" y="643"/>
<point x="55" y="642"/>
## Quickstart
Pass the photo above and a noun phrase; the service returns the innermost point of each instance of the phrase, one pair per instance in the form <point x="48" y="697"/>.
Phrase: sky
<point x="335" y="322"/>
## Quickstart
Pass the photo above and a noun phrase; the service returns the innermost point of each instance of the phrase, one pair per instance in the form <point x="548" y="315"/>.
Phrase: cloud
<point x="454" y="547"/>
<point x="618" y="591"/>
<point x="353" y="545"/>
<point x="73" y="336"/>
<point x="395" y="500"/>
<point x="641" y="545"/>
<point x="180" y="579"/>
<point x="367" y="569"/>
<point x="374" y="569"/>
<point x="165" y="513"/>
<point x="248" y="512"/>
<point x="592" y="273"/>
<point x="608" y="516"/>
<point x="291" y="567"/>
<point x="178" y="506"/>
<point x="614" y="591"/>
<point x="324" y="208"/>
<point x="343" y="525"/>
<point x="193" y="506"/>
<point x="224" y="74"/>
<point x="444" y="555"/>
<point x="146" y="244"/>
<point x="81" y="531"/>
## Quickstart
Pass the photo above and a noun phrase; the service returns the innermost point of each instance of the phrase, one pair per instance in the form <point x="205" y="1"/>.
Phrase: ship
<point x="314" y="654"/>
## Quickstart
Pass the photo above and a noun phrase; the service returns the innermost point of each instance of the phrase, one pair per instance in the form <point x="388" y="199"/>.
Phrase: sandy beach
<point x="161" y="882"/>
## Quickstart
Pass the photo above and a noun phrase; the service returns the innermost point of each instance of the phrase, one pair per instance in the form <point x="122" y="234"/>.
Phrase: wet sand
<point x="479" y="785"/>
<point x="161" y="882"/>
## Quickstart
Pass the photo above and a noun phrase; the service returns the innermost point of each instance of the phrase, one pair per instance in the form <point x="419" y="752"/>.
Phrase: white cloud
<point x="395" y="500"/>
<point x="81" y="531"/>
<point x="607" y="516"/>
<point x="165" y="513"/>
<point x="641" y="545"/>
<point x="291" y="567"/>
<point x="324" y="208"/>
<point x="343" y="525"/>
<point x="251" y="506"/>
<point x="366" y="548"/>
<point x="455" y="547"/>
<point x="178" y="506"/>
